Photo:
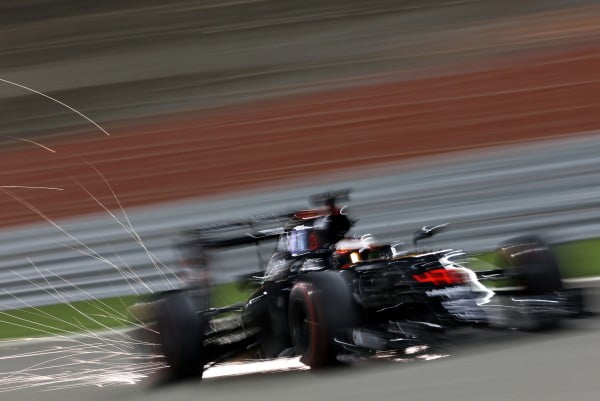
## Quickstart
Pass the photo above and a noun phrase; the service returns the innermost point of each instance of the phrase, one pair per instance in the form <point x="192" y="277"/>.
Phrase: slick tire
<point x="531" y="263"/>
<point x="181" y="330"/>
<point x="320" y="308"/>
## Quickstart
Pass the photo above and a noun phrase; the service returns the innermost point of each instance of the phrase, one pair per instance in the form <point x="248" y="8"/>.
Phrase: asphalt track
<point x="473" y="365"/>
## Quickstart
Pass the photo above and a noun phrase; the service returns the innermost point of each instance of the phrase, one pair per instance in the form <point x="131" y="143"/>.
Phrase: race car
<point x="328" y="297"/>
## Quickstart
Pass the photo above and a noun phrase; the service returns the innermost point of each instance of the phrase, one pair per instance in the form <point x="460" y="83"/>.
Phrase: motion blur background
<point x="218" y="109"/>
<point x="208" y="96"/>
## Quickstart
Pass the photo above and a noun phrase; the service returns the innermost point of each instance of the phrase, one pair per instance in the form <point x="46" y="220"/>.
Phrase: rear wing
<point x="253" y="230"/>
<point x="195" y="245"/>
<point x="249" y="231"/>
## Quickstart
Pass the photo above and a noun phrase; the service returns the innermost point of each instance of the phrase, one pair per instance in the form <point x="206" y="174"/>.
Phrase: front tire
<point x="181" y="333"/>
<point x="531" y="262"/>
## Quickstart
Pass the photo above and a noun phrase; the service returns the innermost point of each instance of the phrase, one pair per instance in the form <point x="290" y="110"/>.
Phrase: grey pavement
<point x="474" y="365"/>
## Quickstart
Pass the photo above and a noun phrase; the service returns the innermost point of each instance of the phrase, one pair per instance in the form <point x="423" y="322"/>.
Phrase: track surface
<point x="476" y="364"/>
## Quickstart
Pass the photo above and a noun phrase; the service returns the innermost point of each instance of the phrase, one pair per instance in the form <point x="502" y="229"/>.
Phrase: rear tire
<point x="321" y="308"/>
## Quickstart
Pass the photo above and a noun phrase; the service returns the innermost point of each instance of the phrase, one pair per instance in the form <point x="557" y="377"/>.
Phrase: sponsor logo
<point x="449" y="292"/>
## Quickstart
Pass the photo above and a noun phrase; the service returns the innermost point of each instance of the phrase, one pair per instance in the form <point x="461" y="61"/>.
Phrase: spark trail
<point x="56" y="101"/>
<point x="91" y="359"/>
<point x="49" y="149"/>
<point x="30" y="187"/>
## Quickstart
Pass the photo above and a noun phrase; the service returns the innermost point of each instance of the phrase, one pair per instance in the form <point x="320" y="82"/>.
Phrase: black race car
<point x="329" y="298"/>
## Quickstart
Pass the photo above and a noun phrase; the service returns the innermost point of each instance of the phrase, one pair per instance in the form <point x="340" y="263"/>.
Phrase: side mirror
<point x="397" y="249"/>
<point x="428" y="232"/>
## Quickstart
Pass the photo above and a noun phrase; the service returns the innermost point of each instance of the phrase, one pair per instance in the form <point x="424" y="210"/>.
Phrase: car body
<point x="327" y="297"/>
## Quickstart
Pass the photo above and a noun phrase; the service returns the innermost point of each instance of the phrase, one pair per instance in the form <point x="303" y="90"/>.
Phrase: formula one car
<point x="330" y="298"/>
